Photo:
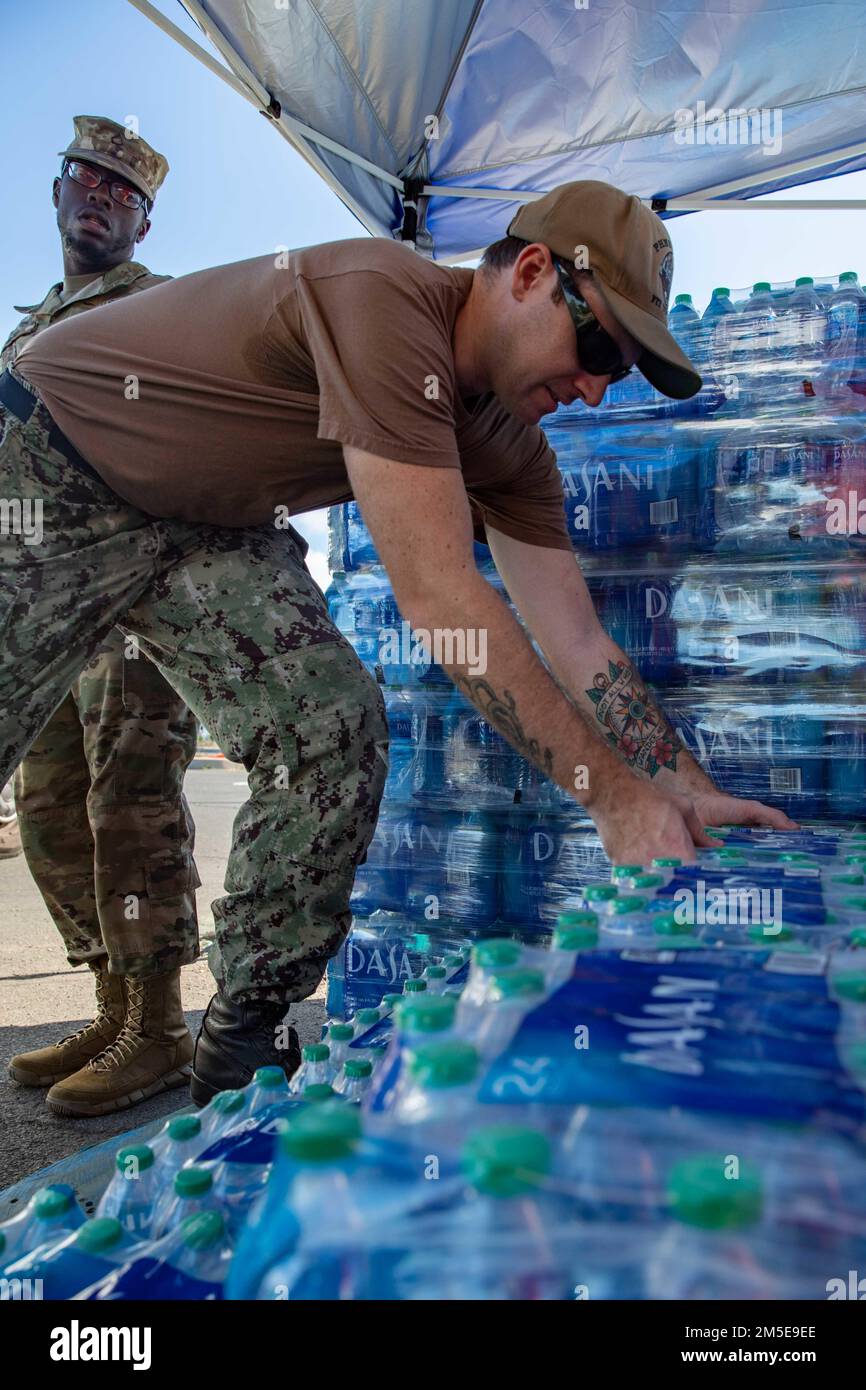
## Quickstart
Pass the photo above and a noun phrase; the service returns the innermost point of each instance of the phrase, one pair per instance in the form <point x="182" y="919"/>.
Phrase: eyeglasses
<point x="597" y="352"/>
<point x="89" y="177"/>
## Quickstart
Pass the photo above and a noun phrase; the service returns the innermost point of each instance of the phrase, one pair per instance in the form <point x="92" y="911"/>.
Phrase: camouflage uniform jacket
<point x="123" y="279"/>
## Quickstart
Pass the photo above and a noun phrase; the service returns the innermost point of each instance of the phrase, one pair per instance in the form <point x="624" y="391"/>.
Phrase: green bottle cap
<point x="683" y="299"/>
<point x="729" y="854"/>
<point x="269" y="1078"/>
<point x="647" y="881"/>
<point x="625" y="870"/>
<point x="435" y="972"/>
<point x="667" y="863"/>
<point x="701" y="1195"/>
<point x="443" y="1064"/>
<point x="366" y="1018"/>
<point x="857" y="937"/>
<point x="391" y="999"/>
<point x="2" y="1242"/>
<point x="855" y="858"/>
<point x="430" y="1013"/>
<point x="803" y="280"/>
<point x="851" y="880"/>
<point x="518" y="984"/>
<point x="499" y="951"/>
<point x="761" y="287"/>
<point x="98" y="1234"/>
<point x="770" y="933"/>
<point x="358" y="1067"/>
<point x="52" y="1202"/>
<point x="183" y="1128"/>
<point x="600" y="892"/>
<point x="414" y="986"/>
<point x="314" y="1052"/>
<point x="340" y="1032"/>
<point x="795" y="856"/>
<point x="848" y="277"/>
<point x="577" y="917"/>
<point x="854" y="903"/>
<point x="134" y="1159"/>
<point x="453" y="962"/>
<point x="318" y="1090"/>
<point x="321" y="1133"/>
<point x="623" y="906"/>
<point x="667" y="924"/>
<point x="227" y="1102"/>
<point x="851" y="986"/>
<point x="192" y="1182"/>
<point x="202" y="1231"/>
<point x="504" y="1161"/>
<point x="721" y="291"/>
<point x="576" y="938"/>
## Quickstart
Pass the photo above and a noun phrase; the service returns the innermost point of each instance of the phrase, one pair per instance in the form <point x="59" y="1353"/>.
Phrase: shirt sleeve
<point x="382" y="353"/>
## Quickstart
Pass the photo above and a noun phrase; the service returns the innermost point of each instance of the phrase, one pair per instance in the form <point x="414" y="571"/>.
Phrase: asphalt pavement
<point x="42" y="998"/>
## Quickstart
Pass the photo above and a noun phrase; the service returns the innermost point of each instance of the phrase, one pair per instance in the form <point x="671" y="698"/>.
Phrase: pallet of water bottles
<point x="467" y="877"/>
<point x="644" y="1105"/>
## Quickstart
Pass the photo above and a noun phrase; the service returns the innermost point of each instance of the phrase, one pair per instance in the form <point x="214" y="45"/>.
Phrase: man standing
<point x="277" y="385"/>
<point x="104" y="824"/>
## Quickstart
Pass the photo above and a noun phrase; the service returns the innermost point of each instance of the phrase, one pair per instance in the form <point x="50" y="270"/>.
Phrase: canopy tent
<point x="434" y="119"/>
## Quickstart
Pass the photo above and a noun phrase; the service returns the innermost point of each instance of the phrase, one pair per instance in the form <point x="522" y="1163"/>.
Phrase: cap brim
<point x="662" y="362"/>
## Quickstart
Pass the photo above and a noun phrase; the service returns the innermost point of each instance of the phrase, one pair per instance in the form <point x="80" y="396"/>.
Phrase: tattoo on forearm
<point x="500" y="710"/>
<point x="634" y="724"/>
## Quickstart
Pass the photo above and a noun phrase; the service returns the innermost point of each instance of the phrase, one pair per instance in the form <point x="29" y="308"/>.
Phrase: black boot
<point x="234" y="1040"/>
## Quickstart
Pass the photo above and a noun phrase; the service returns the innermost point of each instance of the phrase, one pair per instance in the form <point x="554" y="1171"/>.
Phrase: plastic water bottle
<point x="314" y="1189"/>
<point x="709" y="1252"/>
<point x="757" y="347"/>
<point x="488" y="957"/>
<point x="220" y="1114"/>
<point x="684" y="322"/>
<point x="51" y="1214"/>
<point x="441" y="1085"/>
<point x="354" y="1083"/>
<point x="338" y="1038"/>
<point x="513" y="994"/>
<point x="189" y="1263"/>
<point x="269" y="1086"/>
<point x="846" y="309"/>
<point x="131" y="1195"/>
<point x="805" y="327"/>
<point x="717" y="321"/>
<point x="81" y="1258"/>
<point x="178" y="1143"/>
<point x="190" y="1192"/>
<point x="315" y="1067"/>
<point x="505" y="1238"/>
<point x="436" y="977"/>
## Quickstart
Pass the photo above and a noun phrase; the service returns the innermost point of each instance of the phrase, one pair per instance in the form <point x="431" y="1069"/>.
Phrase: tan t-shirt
<point x="223" y="395"/>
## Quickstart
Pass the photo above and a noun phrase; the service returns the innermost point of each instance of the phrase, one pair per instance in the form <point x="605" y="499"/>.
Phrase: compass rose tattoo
<point x="634" y="725"/>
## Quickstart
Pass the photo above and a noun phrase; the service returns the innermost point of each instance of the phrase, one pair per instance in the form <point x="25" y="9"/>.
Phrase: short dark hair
<point x="503" y="253"/>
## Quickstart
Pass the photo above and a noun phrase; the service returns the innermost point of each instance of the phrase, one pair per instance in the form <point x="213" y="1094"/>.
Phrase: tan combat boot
<point x="151" y="1053"/>
<point x="62" y="1059"/>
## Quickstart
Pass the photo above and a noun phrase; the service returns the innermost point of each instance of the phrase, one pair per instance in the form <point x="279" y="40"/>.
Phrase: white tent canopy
<point x="463" y="109"/>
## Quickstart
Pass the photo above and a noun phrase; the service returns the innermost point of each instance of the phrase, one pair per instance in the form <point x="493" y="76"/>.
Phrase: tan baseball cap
<point x="99" y="140"/>
<point x="629" y="252"/>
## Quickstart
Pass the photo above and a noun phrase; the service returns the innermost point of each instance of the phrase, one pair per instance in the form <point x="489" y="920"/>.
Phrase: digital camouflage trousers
<point x="236" y="623"/>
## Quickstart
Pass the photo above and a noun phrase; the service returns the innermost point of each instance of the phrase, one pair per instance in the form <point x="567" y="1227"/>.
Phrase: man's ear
<point x="143" y="230"/>
<point x="55" y="192"/>
<point x="532" y="264"/>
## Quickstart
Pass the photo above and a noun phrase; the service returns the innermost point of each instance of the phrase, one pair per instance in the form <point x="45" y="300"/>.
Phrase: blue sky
<point x="236" y="189"/>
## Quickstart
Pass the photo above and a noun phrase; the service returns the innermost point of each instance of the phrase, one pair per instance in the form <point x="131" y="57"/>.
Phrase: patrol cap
<point x="631" y="258"/>
<point x="101" y="141"/>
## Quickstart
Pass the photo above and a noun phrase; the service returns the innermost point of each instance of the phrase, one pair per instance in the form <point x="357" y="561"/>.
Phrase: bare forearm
<point x="610" y="692"/>
<point x="517" y="695"/>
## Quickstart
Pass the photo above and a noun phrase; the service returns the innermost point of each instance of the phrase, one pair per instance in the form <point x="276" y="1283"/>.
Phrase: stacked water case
<point x="722" y="539"/>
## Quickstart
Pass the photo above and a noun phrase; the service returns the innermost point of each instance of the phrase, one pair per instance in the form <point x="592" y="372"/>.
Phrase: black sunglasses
<point x="121" y="193"/>
<point x="597" y="352"/>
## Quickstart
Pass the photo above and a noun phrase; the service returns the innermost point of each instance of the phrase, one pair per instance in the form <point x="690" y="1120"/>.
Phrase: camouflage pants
<point x="235" y="621"/>
<point x="102" y="815"/>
